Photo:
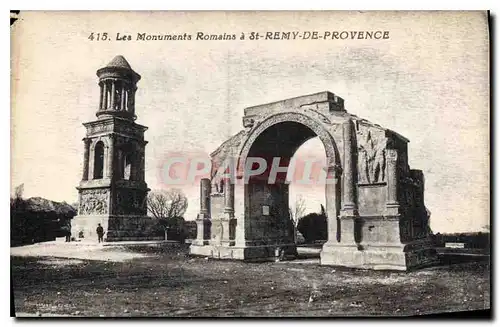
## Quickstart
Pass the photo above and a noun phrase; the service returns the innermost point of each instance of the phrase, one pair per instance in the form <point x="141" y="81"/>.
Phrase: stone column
<point x="122" y="98"/>
<point x="131" y="101"/>
<point x="349" y="206"/>
<point x="113" y="95"/>
<point x="333" y="174"/>
<point x="110" y="156"/>
<point x="127" y="92"/>
<point x="239" y="213"/>
<point x="143" y="163"/>
<point x="348" y="215"/>
<point x="392" y="206"/>
<point x="86" y="158"/>
<point x="105" y="95"/>
<point x="228" y="211"/>
<point x="101" y="95"/>
<point x="134" y="167"/>
<point x="202" y="221"/>
<point x="228" y="197"/>
<point x="205" y="188"/>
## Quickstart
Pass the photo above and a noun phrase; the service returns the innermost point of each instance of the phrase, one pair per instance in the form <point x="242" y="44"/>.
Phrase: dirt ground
<point x="165" y="281"/>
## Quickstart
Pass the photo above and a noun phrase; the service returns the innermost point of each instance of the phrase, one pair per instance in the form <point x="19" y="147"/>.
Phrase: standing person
<point x="68" y="231"/>
<point x="100" y="233"/>
<point x="68" y="235"/>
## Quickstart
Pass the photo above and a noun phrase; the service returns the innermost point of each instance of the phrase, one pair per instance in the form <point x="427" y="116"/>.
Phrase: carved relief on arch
<point x="371" y="156"/>
<point x="317" y="127"/>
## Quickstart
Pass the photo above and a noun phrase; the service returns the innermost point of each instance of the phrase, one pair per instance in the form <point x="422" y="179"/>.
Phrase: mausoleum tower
<point x="113" y="189"/>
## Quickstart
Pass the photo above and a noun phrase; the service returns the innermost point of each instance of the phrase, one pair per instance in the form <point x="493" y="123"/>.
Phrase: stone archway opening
<point x="99" y="160"/>
<point x="267" y="195"/>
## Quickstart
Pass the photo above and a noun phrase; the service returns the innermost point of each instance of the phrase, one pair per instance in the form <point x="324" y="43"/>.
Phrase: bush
<point x="38" y="220"/>
<point x="473" y="240"/>
<point x="175" y="226"/>
<point x="313" y="227"/>
<point x="191" y="229"/>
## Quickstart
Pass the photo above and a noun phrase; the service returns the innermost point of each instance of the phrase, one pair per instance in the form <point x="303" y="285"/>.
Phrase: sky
<point x="429" y="82"/>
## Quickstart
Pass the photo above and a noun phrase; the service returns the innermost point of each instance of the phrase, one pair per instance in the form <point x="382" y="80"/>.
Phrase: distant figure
<point x="66" y="228"/>
<point x="100" y="233"/>
<point x="68" y="235"/>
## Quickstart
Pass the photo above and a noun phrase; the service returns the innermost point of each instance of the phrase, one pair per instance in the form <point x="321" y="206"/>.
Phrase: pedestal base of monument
<point x="266" y="252"/>
<point x="403" y="257"/>
<point x="116" y="228"/>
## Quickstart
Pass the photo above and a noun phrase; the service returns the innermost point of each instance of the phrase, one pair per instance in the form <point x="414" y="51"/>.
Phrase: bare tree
<point x="298" y="210"/>
<point x="296" y="213"/>
<point x="167" y="204"/>
<point x="19" y="191"/>
<point x="16" y="200"/>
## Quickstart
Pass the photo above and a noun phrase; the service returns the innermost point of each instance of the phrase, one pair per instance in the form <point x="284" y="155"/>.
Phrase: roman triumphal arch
<point x="374" y="202"/>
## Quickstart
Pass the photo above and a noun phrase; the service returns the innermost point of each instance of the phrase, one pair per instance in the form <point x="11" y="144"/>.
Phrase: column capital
<point x="228" y="214"/>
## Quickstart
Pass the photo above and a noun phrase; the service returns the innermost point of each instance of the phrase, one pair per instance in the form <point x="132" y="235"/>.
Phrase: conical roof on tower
<point x="120" y="62"/>
<point x="118" y="68"/>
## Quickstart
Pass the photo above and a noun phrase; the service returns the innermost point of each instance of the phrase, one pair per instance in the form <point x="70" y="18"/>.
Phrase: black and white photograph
<point x="275" y="164"/>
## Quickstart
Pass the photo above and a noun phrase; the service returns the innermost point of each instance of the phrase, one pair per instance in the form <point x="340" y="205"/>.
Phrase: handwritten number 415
<point x="98" y="36"/>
